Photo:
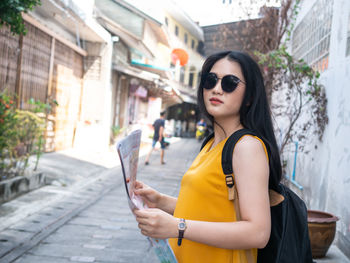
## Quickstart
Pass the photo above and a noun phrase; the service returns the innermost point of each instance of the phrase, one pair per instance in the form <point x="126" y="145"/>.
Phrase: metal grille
<point x="311" y="37"/>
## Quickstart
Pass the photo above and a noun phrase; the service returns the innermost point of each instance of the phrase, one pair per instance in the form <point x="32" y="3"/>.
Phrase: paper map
<point x="128" y="151"/>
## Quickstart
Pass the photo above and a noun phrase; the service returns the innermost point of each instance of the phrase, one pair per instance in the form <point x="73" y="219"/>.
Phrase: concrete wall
<point x="325" y="172"/>
<point x="97" y="99"/>
<point x="96" y="106"/>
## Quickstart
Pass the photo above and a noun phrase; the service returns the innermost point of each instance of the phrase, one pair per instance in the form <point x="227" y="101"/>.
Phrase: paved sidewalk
<point x="84" y="216"/>
<point x="86" y="219"/>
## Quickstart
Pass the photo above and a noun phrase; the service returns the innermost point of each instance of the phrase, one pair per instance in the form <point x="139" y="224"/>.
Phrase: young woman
<point x="232" y="95"/>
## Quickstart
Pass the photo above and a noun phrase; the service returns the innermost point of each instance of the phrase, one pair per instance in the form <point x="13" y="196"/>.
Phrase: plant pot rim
<point x="323" y="217"/>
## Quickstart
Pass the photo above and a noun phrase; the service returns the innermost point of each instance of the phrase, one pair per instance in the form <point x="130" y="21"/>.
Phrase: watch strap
<point x="182" y="228"/>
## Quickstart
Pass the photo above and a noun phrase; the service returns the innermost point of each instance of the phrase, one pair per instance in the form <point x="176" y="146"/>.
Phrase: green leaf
<point x="10" y="14"/>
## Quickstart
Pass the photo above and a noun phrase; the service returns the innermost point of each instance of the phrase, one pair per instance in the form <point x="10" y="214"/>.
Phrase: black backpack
<point x="289" y="240"/>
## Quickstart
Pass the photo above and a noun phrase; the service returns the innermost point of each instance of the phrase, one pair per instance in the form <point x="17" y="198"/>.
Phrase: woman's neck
<point x="224" y="128"/>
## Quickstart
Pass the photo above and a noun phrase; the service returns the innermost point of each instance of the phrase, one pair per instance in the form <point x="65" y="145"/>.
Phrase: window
<point x="312" y="35"/>
<point x="176" y="30"/>
<point x="192" y="44"/>
<point x="186" y="40"/>
<point x="348" y="40"/>
<point x="166" y="21"/>
<point x="190" y="80"/>
<point x="182" y="75"/>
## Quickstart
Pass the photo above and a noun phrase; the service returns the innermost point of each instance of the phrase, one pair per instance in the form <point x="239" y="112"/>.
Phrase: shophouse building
<point x="51" y="63"/>
<point x="147" y="35"/>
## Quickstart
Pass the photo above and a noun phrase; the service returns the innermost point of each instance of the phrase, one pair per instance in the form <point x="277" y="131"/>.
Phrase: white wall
<point x="325" y="172"/>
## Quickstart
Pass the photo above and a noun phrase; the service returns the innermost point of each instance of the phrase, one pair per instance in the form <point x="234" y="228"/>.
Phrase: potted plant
<point x="322" y="228"/>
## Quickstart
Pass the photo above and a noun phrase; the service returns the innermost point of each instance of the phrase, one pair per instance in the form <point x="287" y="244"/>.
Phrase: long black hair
<point x="255" y="112"/>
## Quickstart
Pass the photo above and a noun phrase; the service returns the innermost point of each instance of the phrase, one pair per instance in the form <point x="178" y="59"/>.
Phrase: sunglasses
<point x="228" y="83"/>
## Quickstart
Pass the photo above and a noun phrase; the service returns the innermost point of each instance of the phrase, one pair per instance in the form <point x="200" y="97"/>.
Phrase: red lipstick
<point x="214" y="100"/>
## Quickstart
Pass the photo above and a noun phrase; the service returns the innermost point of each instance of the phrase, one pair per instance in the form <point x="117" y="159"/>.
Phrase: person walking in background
<point x="202" y="222"/>
<point x="201" y="128"/>
<point x="158" y="136"/>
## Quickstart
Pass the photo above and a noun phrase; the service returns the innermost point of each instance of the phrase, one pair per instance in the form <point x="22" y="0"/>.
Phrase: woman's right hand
<point x="150" y="196"/>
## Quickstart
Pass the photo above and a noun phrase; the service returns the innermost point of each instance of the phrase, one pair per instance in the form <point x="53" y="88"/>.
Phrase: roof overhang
<point x="163" y="72"/>
<point x="180" y="16"/>
<point x="50" y="13"/>
<point x="136" y="72"/>
<point x="160" y="32"/>
<point x="129" y="39"/>
<point x="187" y="94"/>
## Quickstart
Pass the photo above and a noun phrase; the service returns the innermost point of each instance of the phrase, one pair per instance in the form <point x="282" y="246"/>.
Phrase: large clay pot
<point x="322" y="227"/>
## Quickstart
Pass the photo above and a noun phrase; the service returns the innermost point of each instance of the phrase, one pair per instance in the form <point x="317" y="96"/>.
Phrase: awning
<point x="50" y="13"/>
<point x="163" y="72"/>
<point x="169" y="97"/>
<point x="186" y="93"/>
<point x="135" y="72"/>
<point x="128" y="38"/>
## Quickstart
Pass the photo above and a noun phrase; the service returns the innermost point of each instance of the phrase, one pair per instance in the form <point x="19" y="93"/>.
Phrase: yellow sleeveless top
<point x="204" y="197"/>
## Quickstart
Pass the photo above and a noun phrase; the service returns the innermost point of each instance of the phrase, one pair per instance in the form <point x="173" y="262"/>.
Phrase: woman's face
<point x="221" y="104"/>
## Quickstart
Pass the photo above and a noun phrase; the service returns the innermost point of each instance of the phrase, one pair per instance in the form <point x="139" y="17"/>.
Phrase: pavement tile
<point x="106" y="230"/>
<point x="68" y="251"/>
<point x="334" y="255"/>
<point x="82" y="259"/>
<point x="41" y="259"/>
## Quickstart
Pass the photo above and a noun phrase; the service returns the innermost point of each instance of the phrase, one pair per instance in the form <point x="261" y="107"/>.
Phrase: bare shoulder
<point x="249" y="147"/>
<point x="249" y="160"/>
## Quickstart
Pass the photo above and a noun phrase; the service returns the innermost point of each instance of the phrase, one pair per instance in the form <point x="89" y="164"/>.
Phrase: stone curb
<point x="86" y="196"/>
<point x="14" y="187"/>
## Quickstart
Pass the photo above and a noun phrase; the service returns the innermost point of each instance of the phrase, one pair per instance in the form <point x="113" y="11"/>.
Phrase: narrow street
<point x="92" y="222"/>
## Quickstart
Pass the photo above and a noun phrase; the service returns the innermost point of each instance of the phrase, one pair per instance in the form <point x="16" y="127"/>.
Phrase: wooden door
<point x="67" y="90"/>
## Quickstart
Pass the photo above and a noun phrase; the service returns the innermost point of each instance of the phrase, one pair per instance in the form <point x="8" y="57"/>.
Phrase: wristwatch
<point x="182" y="227"/>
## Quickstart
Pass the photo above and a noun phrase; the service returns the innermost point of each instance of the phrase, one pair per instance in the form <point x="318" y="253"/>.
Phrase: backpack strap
<point x="226" y="159"/>
<point x="206" y="140"/>
<point x="226" y="163"/>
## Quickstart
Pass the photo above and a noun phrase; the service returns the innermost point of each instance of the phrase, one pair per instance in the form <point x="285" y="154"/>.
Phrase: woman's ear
<point x="249" y="102"/>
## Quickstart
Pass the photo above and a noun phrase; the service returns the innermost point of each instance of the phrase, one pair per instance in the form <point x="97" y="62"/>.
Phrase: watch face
<point x="182" y="226"/>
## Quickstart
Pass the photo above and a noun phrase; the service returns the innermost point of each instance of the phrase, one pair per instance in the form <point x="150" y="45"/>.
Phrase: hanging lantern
<point x="179" y="54"/>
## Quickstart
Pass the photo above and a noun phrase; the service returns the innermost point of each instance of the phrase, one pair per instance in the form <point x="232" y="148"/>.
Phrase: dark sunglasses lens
<point x="210" y="81"/>
<point x="229" y="83"/>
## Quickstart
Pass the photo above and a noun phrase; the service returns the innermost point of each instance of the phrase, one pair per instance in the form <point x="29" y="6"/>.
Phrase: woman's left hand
<point x="156" y="223"/>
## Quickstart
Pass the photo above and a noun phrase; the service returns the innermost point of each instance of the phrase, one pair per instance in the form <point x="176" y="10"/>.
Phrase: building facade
<point x="321" y="37"/>
<point x="107" y="64"/>
<point x="178" y="32"/>
<point x="50" y="65"/>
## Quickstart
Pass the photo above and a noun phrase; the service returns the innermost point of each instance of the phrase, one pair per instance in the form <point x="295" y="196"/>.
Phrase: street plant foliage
<point x="10" y="14"/>
<point x="21" y="135"/>
<point x="300" y="102"/>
